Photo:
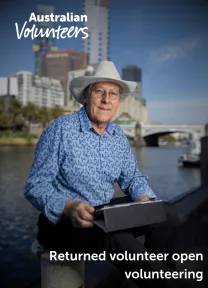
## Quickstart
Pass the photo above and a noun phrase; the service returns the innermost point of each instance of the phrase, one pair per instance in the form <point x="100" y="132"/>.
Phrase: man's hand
<point x="143" y="198"/>
<point x="80" y="213"/>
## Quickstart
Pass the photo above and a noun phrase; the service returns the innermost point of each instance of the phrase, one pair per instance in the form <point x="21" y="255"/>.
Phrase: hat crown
<point x="106" y="69"/>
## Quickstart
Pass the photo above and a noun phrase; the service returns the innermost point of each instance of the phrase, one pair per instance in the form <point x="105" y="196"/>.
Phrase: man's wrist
<point x="68" y="206"/>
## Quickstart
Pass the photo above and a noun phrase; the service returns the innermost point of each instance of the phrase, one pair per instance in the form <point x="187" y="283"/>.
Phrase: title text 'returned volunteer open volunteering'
<point x="198" y="275"/>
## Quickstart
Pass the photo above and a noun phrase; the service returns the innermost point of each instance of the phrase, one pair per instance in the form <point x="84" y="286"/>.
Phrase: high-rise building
<point x="96" y="45"/>
<point x="8" y="86"/>
<point x="133" y="73"/>
<point x="42" y="45"/>
<point x="24" y="84"/>
<point x="57" y="64"/>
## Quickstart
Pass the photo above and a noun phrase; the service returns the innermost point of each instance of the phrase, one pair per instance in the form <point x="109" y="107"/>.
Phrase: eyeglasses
<point x="100" y="92"/>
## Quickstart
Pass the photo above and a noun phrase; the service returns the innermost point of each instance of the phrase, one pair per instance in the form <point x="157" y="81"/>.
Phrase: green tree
<point x="11" y="113"/>
<point x="2" y="112"/>
<point x="15" y="112"/>
<point x="30" y="113"/>
<point x="44" y="116"/>
<point x="56" y="111"/>
<point x="1" y="105"/>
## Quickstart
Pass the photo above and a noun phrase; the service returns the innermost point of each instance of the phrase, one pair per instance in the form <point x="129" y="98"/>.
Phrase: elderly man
<point x="78" y="160"/>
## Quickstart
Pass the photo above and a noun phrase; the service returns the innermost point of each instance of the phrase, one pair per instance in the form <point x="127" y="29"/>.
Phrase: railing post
<point x="204" y="161"/>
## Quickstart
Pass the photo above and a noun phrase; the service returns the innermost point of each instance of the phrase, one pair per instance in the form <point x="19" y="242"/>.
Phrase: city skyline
<point x="167" y="41"/>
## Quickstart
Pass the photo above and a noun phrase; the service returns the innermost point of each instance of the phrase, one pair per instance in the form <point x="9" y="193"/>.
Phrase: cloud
<point x="172" y="52"/>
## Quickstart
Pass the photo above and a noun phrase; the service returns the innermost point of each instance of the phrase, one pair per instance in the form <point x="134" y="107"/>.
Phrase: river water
<point x="18" y="218"/>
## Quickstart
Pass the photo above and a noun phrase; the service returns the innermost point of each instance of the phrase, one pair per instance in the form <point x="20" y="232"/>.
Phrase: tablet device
<point x="128" y="215"/>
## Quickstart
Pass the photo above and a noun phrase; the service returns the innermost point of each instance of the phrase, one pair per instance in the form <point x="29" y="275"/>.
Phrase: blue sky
<point x="168" y="39"/>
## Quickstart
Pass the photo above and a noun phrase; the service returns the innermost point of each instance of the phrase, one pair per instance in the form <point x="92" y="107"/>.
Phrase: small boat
<point x="191" y="159"/>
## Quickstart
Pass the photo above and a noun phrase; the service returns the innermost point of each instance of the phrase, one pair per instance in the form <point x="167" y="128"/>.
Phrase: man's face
<point x="102" y="102"/>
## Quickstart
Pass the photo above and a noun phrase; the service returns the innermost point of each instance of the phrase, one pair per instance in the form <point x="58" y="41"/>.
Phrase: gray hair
<point x="87" y="89"/>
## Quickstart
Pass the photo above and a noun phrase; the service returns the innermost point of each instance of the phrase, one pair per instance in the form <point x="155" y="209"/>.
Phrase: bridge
<point x="151" y="133"/>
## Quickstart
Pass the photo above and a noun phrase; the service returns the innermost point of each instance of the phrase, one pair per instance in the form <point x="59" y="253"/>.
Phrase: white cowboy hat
<point x="105" y="71"/>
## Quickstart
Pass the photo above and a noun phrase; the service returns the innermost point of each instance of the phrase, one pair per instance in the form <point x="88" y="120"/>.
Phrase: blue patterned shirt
<point x="73" y="162"/>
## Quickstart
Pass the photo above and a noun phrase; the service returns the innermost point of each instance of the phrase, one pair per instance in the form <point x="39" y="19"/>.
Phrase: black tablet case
<point x="123" y="217"/>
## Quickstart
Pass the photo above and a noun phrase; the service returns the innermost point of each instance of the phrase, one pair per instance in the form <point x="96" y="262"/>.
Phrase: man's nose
<point x="106" y="97"/>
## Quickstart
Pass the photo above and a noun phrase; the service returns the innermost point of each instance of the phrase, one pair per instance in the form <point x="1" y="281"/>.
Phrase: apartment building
<point x="42" y="91"/>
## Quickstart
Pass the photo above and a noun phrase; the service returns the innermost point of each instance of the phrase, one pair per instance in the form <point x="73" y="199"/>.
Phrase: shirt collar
<point x="85" y="123"/>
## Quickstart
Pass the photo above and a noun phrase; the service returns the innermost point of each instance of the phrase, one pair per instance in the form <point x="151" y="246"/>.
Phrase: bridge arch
<point x="152" y="139"/>
<point x="151" y="133"/>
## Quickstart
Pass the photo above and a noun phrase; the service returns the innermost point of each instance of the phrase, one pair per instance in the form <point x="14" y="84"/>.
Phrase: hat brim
<point x="78" y="84"/>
